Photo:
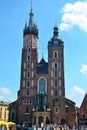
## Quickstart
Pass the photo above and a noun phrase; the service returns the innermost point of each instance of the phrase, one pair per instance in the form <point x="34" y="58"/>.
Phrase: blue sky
<point x="71" y="18"/>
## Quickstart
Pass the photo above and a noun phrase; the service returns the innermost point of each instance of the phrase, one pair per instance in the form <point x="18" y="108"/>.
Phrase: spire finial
<point x="42" y="55"/>
<point x="31" y="5"/>
<point x="55" y="24"/>
<point x="55" y="31"/>
<point x="31" y="17"/>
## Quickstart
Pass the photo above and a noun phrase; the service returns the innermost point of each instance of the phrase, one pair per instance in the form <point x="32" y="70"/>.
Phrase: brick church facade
<point x="41" y="96"/>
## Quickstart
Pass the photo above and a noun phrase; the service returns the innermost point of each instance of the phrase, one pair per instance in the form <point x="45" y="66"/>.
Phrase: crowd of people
<point x="50" y="127"/>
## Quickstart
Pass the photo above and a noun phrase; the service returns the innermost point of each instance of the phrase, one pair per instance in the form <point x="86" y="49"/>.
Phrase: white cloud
<point x="78" y="90"/>
<point x="7" y="95"/>
<point x="5" y="91"/>
<point x="65" y="26"/>
<point x="74" y="15"/>
<point x="83" y="69"/>
<point x="77" y="94"/>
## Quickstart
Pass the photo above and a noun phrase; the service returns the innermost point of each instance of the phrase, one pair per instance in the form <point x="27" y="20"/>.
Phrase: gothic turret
<point x="31" y="27"/>
<point x="55" y="40"/>
<point x="55" y="31"/>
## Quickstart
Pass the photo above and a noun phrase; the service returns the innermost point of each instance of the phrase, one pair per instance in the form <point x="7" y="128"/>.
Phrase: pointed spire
<point x="31" y="17"/>
<point x="31" y="5"/>
<point x="31" y="27"/>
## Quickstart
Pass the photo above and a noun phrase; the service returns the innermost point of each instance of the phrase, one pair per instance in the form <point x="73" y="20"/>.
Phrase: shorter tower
<point x="56" y="86"/>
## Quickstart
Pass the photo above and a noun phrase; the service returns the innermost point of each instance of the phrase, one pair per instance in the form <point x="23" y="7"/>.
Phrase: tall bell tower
<point x="29" y="60"/>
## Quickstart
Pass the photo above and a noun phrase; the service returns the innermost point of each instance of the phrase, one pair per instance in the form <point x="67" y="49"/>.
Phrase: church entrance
<point x="40" y="120"/>
<point x="47" y="120"/>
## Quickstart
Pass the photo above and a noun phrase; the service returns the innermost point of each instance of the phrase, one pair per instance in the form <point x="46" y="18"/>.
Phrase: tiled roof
<point x="42" y="67"/>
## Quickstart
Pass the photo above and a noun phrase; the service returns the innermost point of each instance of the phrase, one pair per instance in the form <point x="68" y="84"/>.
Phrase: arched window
<point x="55" y="54"/>
<point x="55" y="65"/>
<point x="56" y="93"/>
<point x="55" y="74"/>
<point x="55" y="83"/>
<point x="28" y="66"/>
<point x="28" y="84"/>
<point x="28" y="58"/>
<point x="27" y="110"/>
<point x="29" y="50"/>
<point x="57" y="109"/>
<point x="28" y="74"/>
<point x="27" y="93"/>
<point x="42" y="85"/>
<point x="13" y="115"/>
